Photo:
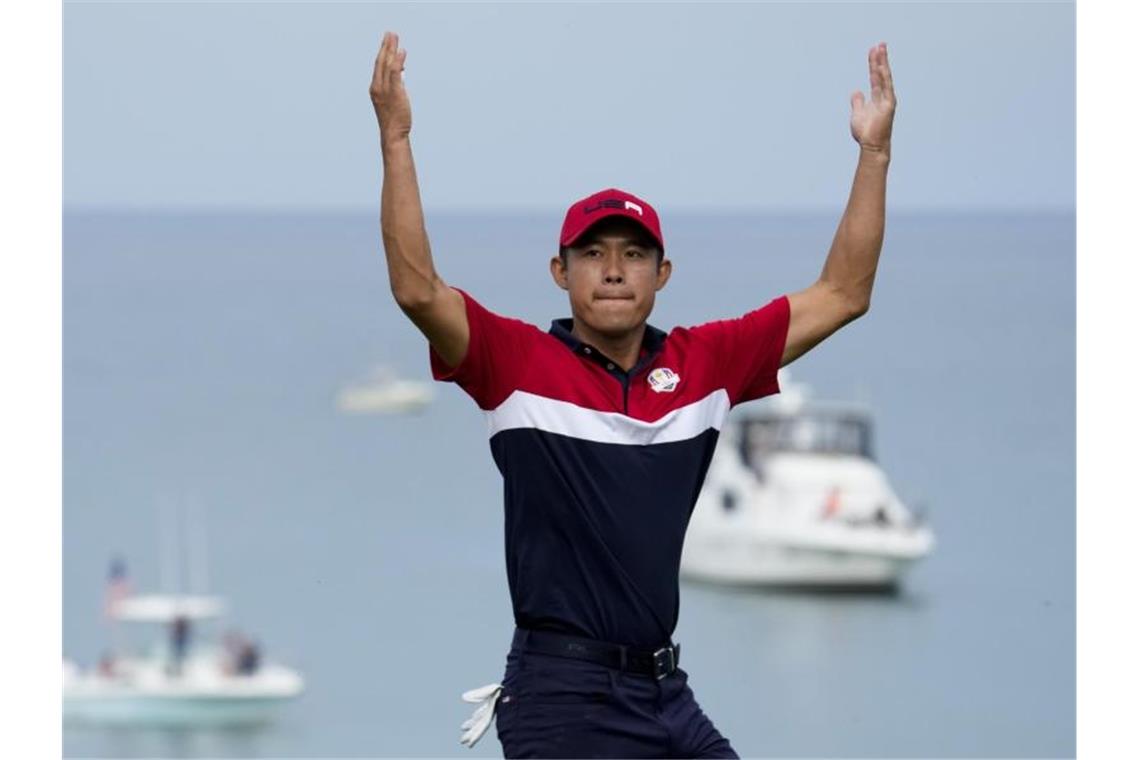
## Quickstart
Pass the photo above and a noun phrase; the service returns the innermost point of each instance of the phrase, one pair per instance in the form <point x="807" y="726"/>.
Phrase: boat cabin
<point x="821" y="431"/>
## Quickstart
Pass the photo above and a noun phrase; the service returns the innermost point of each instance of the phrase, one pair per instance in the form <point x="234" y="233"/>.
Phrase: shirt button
<point x="586" y="350"/>
<point x="609" y="366"/>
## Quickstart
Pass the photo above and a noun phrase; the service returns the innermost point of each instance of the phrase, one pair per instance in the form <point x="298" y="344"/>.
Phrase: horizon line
<point x="498" y="211"/>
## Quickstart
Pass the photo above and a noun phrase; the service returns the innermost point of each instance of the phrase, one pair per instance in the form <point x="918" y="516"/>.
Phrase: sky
<point x="735" y="106"/>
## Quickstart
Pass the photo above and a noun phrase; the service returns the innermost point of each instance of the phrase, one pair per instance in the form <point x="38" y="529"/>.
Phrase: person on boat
<point x="179" y="643"/>
<point x="241" y="656"/>
<point x="603" y="428"/>
<point x="249" y="658"/>
<point x="832" y="503"/>
<point x="107" y="666"/>
<point x="232" y="642"/>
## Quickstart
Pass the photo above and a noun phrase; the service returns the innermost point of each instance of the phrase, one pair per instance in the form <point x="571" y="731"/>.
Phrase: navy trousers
<point x="560" y="707"/>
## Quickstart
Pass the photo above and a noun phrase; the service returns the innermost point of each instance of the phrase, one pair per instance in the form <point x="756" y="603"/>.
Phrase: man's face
<point x="612" y="275"/>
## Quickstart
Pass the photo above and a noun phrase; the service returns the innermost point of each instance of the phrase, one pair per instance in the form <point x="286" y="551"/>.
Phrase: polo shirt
<point x="601" y="468"/>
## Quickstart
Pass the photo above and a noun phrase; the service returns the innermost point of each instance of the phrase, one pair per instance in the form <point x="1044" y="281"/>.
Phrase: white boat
<point x="143" y="689"/>
<point x="384" y="392"/>
<point x="794" y="497"/>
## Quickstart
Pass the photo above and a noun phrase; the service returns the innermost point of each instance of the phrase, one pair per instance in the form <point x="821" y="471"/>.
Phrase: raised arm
<point x="843" y="291"/>
<point x="436" y="309"/>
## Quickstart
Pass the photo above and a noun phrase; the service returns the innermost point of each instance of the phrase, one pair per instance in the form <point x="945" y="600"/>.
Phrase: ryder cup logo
<point x="663" y="380"/>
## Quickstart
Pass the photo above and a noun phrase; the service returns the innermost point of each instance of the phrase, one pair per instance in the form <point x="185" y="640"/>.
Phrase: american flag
<point x="118" y="586"/>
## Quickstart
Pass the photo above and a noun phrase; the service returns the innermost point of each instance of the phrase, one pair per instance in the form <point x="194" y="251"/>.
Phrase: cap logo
<point x="663" y="380"/>
<point x="611" y="203"/>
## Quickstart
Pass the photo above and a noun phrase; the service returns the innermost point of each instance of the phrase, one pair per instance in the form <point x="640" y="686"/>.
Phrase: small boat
<point x="384" y="392"/>
<point x="206" y="687"/>
<point x="794" y="497"/>
<point x="184" y="676"/>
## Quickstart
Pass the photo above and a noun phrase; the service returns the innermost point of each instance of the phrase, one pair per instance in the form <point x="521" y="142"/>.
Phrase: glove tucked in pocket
<point x="476" y="725"/>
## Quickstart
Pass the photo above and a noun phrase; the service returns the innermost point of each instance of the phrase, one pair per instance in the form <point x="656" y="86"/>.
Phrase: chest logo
<point x="663" y="380"/>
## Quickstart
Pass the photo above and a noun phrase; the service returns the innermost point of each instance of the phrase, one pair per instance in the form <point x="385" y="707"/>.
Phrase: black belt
<point x="658" y="662"/>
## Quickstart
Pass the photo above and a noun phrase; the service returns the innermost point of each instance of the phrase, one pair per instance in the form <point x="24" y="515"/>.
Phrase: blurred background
<point x="224" y="283"/>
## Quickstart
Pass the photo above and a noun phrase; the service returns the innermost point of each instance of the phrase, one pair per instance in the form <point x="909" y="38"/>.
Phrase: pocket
<point x="561" y="694"/>
<point x="553" y="730"/>
<point x="546" y="680"/>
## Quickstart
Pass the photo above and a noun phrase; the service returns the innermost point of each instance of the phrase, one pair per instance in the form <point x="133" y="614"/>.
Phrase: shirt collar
<point x="651" y="342"/>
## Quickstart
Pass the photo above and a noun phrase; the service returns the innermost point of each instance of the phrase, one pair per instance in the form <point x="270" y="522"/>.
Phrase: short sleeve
<point x="496" y="351"/>
<point x="747" y="350"/>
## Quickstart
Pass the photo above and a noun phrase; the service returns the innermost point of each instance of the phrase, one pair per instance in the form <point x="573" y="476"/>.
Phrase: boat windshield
<point x="812" y="433"/>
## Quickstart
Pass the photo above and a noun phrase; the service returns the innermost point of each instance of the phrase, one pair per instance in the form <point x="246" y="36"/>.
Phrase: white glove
<point x="474" y="726"/>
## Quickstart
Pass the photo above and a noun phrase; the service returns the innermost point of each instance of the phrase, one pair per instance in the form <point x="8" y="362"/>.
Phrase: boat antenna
<point x="199" y="555"/>
<point x="184" y="548"/>
<point x="167" y="546"/>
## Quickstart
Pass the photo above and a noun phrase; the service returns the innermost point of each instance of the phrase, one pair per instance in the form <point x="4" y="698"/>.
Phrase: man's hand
<point x="393" y="111"/>
<point x="871" y="122"/>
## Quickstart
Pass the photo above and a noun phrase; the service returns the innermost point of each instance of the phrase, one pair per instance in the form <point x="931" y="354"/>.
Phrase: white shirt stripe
<point x="527" y="410"/>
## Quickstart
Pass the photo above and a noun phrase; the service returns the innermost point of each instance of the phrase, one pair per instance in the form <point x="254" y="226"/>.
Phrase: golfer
<point x="603" y="428"/>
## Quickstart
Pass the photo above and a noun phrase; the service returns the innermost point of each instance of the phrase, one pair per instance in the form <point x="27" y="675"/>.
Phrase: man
<point x="179" y="641"/>
<point x="603" y="429"/>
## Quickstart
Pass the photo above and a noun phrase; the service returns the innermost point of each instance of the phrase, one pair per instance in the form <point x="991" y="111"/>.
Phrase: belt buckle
<point x="657" y="673"/>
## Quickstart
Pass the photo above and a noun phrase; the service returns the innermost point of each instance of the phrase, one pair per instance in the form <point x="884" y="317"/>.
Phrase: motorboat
<point x="206" y="686"/>
<point x="794" y="497"/>
<point x="185" y="675"/>
<point x="384" y="392"/>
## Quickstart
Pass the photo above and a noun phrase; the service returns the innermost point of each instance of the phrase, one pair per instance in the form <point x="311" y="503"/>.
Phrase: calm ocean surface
<point x="202" y="355"/>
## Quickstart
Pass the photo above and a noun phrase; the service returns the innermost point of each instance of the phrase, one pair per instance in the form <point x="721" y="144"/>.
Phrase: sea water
<point x="202" y="357"/>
